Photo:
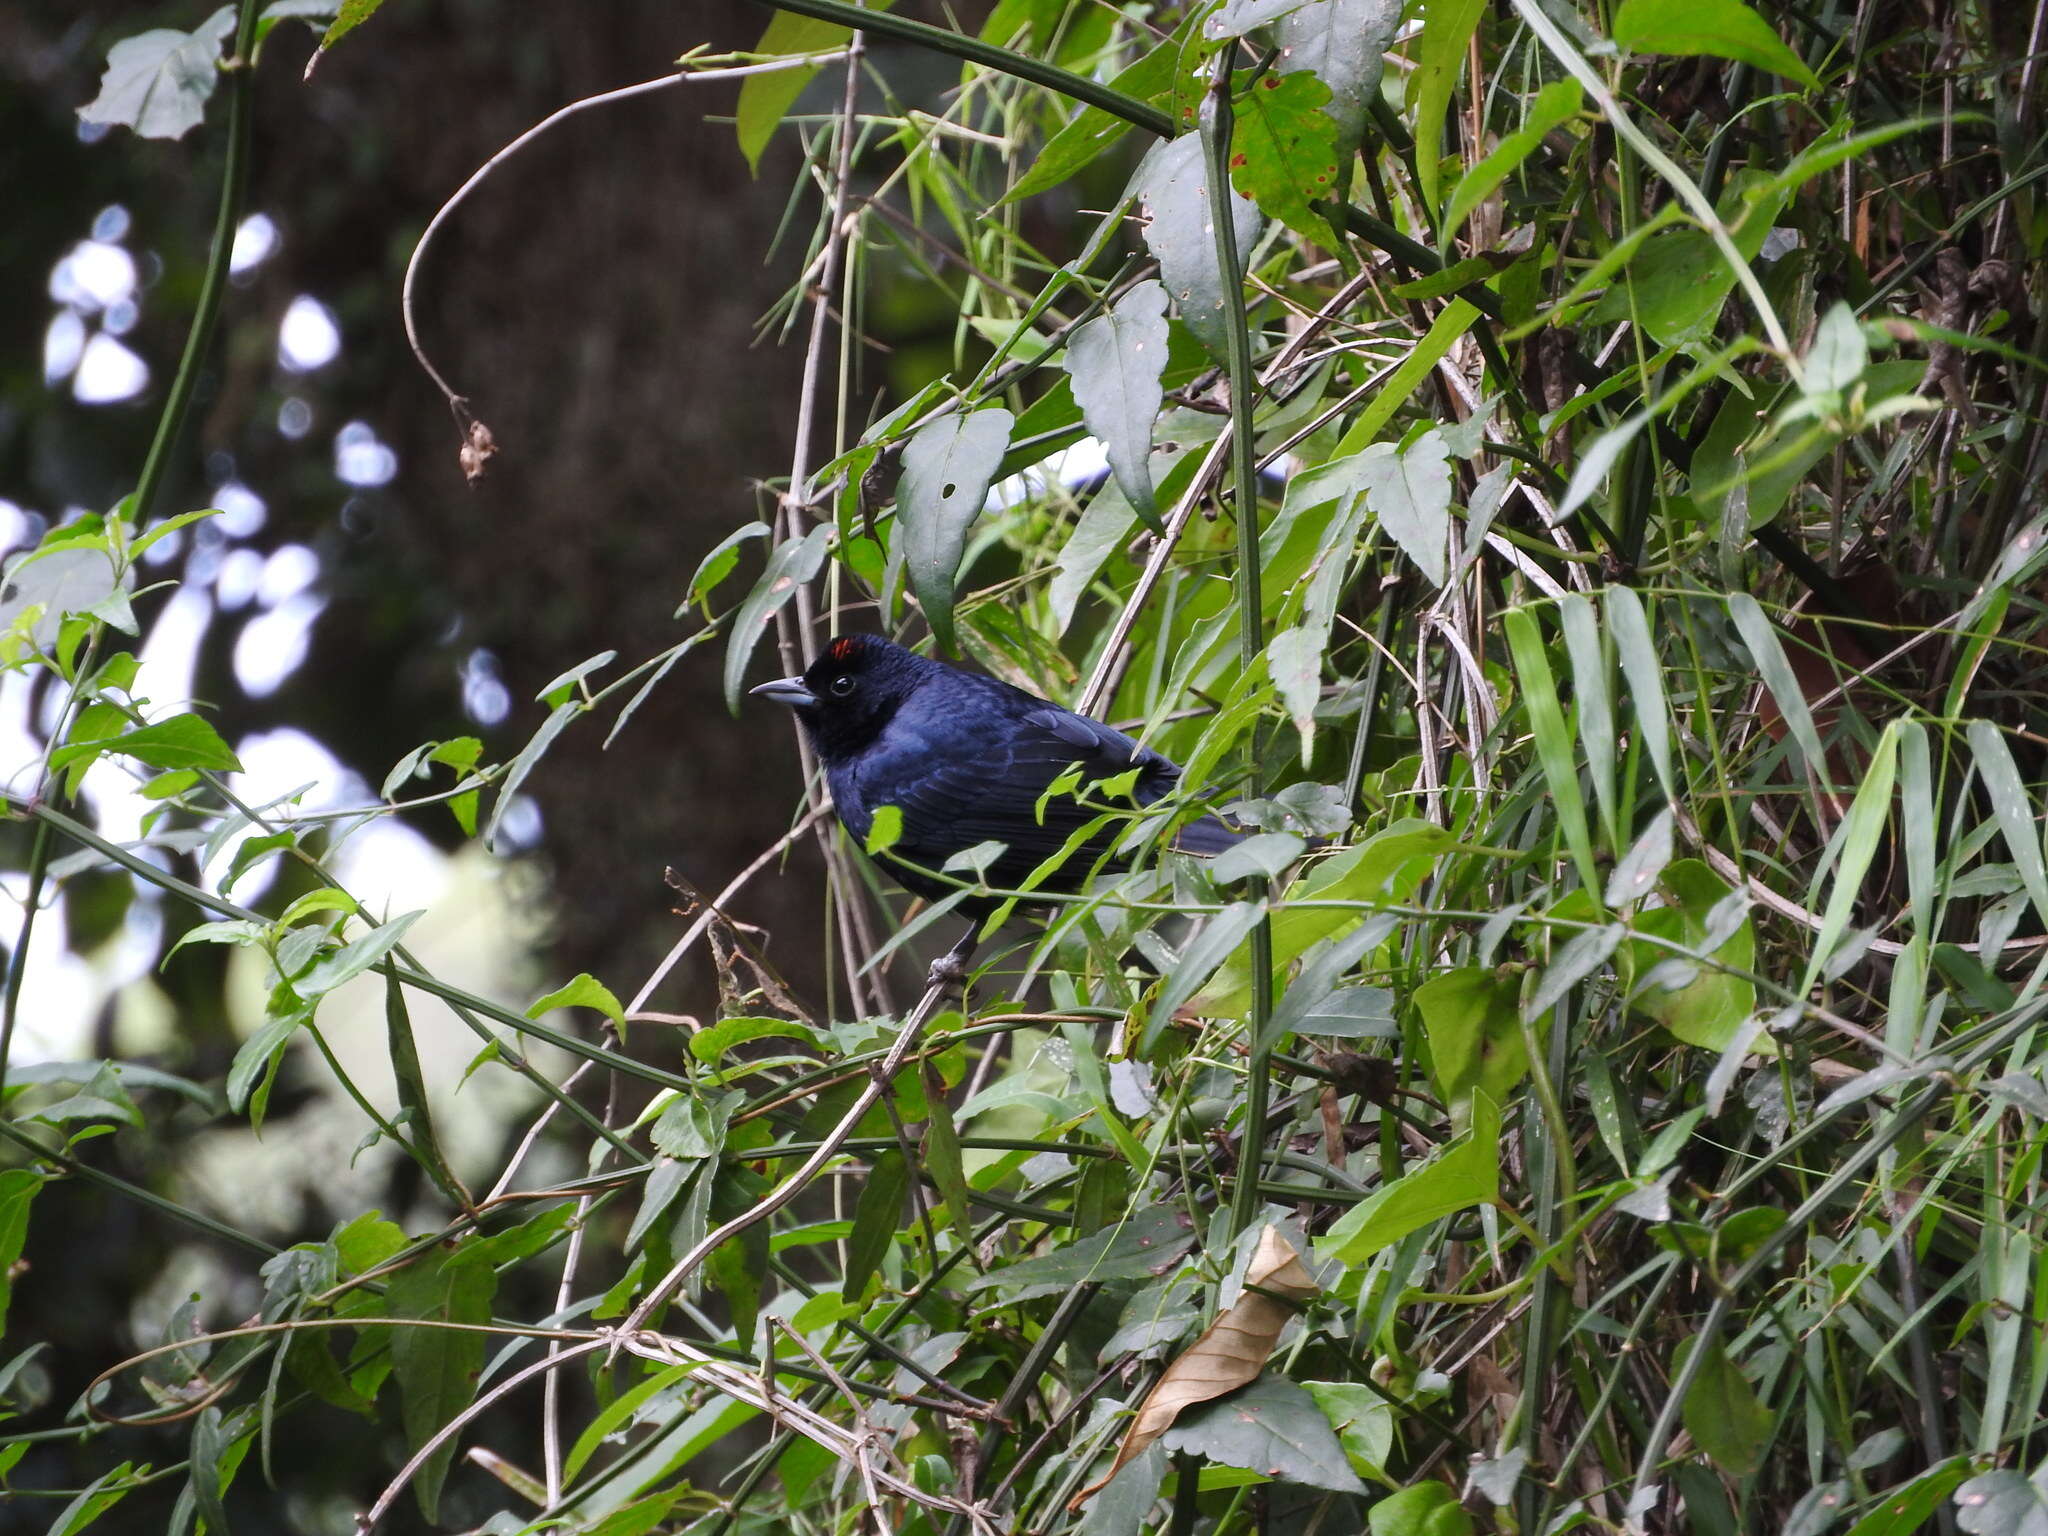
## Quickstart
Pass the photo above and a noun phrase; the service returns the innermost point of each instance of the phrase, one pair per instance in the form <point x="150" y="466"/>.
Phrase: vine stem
<point x="459" y="403"/>
<point x="1216" y="125"/>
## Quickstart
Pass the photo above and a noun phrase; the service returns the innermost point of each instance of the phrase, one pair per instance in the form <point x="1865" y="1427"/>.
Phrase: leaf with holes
<point x="1115" y="361"/>
<point x="946" y="470"/>
<point x="1283" y="154"/>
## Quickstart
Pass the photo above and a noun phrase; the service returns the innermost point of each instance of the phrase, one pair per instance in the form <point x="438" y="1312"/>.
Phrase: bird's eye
<point x="842" y="685"/>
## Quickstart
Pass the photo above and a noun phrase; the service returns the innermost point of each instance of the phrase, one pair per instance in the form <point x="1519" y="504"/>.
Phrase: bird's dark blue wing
<point x="970" y="769"/>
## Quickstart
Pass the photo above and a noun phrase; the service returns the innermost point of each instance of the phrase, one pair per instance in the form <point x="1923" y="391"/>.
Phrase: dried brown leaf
<point x="1229" y="1355"/>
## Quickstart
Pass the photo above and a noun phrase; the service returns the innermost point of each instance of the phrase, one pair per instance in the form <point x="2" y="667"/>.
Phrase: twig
<point x="457" y="403"/>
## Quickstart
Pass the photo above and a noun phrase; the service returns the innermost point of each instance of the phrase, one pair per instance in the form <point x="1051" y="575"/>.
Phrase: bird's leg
<point x="950" y="969"/>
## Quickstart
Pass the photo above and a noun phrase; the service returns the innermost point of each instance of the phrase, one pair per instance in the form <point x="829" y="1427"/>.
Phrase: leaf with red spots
<point x="1287" y="151"/>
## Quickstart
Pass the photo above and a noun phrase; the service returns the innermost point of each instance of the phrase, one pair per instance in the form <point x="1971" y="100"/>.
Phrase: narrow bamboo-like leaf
<point x="1632" y="643"/>
<point x="947" y="467"/>
<point x="1209" y="948"/>
<point x="1553" y="741"/>
<point x="1916" y="824"/>
<point x="1576" y="959"/>
<point x="1596" y="461"/>
<point x="1727" y="29"/>
<point x="1455" y="320"/>
<point x="944" y="1163"/>
<point x="1464" y="1174"/>
<point x="1556" y="103"/>
<point x="1596" y="709"/>
<point x="618" y="1412"/>
<point x="1858" y="840"/>
<point x="2018" y="816"/>
<point x="1635" y="874"/>
<point x="1783" y="683"/>
<point x="352" y="959"/>
<point x="1115" y="361"/>
<point x="437" y="1367"/>
<point x="18" y="1187"/>
<point x="411" y="1081"/>
<point x="875" y="1220"/>
<point x="1439" y="57"/>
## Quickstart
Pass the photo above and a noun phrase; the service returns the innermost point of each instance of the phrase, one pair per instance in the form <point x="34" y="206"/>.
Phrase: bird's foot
<point x="950" y="969"/>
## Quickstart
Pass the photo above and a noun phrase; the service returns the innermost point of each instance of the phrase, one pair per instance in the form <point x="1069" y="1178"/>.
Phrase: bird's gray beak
<point x="786" y="690"/>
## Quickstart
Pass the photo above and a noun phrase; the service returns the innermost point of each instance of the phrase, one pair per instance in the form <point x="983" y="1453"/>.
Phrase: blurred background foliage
<point x="1642" y="1059"/>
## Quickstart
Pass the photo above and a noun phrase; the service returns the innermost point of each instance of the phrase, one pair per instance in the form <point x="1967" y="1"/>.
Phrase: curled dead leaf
<point x="1229" y="1354"/>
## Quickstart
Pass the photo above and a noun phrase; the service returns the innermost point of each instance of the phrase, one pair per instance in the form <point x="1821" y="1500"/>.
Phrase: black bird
<point x="966" y="759"/>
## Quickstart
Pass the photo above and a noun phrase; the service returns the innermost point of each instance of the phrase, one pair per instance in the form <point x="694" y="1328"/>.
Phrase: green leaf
<point x="96" y="1498"/>
<point x="2014" y="808"/>
<point x="1409" y="491"/>
<point x="690" y="1128"/>
<point x="1761" y="636"/>
<point x="1209" y="948"/>
<point x="1474" y="1029"/>
<point x="1142" y="1247"/>
<point x="1283" y="151"/>
<point x="1722" y="1412"/>
<point x="1443" y="333"/>
<point x="793" y="562"/>
<point x="943" y="1162"/>
<point x="158" y="82"/>
<point x="1343" y="43"/>
<point x="354" y="958"/>
<point x="1466" y="1172"/>
<point x="257" y="1058"/>
<point x="1364" y="1422"/>
<point x="765" y="99"/>
<point x="1272" y="1427"/>
<point x="1447" y="28"/>
<point x="529" y="758"/>
<point x="585" y="991"/>
<point x="618" y="1413"/>
<point x="1726" y="29"/>
<point x="1860" y="833"/>
<point x="353" y="14"/>
<point x="18" y="1187"/>
<point x="885" y="830"/>
<point x="710" y="1045"/>
<point x="1115" y="361"/>
<point x="1709" y="1008"/>
<point x="1556" y="103"/>
<point x="1420" y="1509"/>
<point x="1630" y="628"/>
<point x="1594" y="698"/>
<point x="437" y="1367"/>
<point x="1092" y="130"/>
<point x="182" y="741"/>
<point x="1173" y="203"/>
<point x="718" y="564"/>
<point x="1553" y="742"/>
<point x="947" y="467"/>
<point x="1839" y="353"/>
<point x="875" y="1220"/>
